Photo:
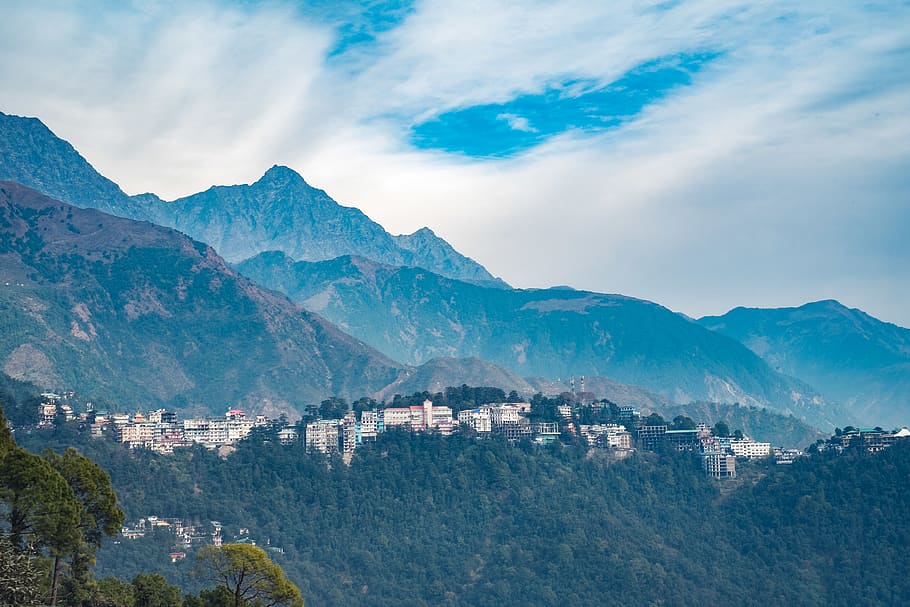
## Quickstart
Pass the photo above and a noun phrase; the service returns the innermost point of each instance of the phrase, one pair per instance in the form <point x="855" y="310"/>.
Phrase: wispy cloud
<point x="775" y="173"/>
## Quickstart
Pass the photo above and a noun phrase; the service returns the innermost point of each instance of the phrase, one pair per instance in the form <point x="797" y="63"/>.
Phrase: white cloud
<point x="780" y="176"/>
<point x="517" y="123"/>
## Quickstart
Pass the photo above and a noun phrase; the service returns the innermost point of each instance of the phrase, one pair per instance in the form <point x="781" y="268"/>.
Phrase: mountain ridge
<point x="278" y="211"/>
<point x="856" y="358"/>
<point x="414" y="315"/>
<point x="132" y="312"/>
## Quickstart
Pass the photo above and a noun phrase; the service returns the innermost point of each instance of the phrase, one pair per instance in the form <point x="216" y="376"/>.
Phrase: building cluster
<point x="159" y="431"/>
<point x="162" y="432"/>
<point x="868" y="439"/>
<point x="345" y="434"/>
<point x="51" y="406"/>
<point x="185" y="536"/>
<point x="719" y="453"/>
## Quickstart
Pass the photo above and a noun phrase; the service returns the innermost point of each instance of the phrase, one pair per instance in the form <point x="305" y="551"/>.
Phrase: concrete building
<point x="479" y="420"/>
<point x="323" y="436"/>
<point x="395" y="417"/>
<point x="651" y="436"/>
<point x="501" y="415"/>
<point x="719" y="465"/>
<point x="746" y="447"/>
<point x="369" y="426"/>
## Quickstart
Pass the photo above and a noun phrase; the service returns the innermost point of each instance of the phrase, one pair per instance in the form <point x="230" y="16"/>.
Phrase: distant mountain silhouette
<point x="849" y="355"/>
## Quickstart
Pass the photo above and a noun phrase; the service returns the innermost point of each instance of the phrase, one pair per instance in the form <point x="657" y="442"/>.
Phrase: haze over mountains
<point x="860" y="360"/>
<point x="413" y="298"/>
<point x="414" y="315"/>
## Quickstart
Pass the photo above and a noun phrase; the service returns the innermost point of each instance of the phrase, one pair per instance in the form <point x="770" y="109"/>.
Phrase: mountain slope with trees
<point x="414" y="315"/>
<point x="422" y="519"/>
<point x="132" y="313"/>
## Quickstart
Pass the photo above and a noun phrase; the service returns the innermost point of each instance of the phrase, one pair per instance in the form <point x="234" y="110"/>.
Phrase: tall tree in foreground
<point x="99" y="515"/>
<point x="249" y="575"/>
<point x="63" y="505"/>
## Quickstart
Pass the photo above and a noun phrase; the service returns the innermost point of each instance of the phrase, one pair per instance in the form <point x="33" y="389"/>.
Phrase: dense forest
<point x="428" y="520"/>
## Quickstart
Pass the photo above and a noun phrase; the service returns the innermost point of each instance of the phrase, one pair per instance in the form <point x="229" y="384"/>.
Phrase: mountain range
<point x="141" y="315"/>
<point x="410" y="298"/>
<point x="278" y="212"/>
<point x="859" y="360"/>
<point x="413" y="315"/>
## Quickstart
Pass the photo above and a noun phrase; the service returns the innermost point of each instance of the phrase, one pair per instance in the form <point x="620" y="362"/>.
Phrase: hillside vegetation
<point x="427" y="520"/>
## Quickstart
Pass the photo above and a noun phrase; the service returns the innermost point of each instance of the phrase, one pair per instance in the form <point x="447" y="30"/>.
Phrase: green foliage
<point x="61" y="504"/>
<point x="249" y="575"/>
<point x="20" y="576"/>
<point x="425" y="520"/>
<point x="152" y="590"/>
<point x="111" y="592"/>
<point x="219" y="596"/>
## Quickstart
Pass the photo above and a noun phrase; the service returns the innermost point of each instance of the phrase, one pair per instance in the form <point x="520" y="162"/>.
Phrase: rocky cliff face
<point x="850" y="356"/>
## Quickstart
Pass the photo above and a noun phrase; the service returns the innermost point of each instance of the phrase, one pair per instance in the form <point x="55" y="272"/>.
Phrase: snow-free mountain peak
<point x="280" y="211"/>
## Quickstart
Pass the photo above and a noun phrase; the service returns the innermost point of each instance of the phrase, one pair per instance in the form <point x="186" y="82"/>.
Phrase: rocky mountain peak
<point x="279" y="176"/>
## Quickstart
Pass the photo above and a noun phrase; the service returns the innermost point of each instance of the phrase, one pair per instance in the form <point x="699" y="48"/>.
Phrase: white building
<point x="369" y="426"/>
<point x="395" y="416"/>
<point x="480" y="420"/>
<point x="746" y="447"/>
<point x="500" y="415"/>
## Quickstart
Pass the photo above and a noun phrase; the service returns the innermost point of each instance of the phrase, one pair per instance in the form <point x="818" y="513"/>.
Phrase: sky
<point x="702" y="154"/>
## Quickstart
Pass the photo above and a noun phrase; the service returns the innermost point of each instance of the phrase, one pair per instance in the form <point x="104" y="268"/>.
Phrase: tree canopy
<point x="249" y="575"/>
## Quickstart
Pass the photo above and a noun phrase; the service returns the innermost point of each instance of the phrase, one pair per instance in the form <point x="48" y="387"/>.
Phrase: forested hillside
<point x="427" y="520"/>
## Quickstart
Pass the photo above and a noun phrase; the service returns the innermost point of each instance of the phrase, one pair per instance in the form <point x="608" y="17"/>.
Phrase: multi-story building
<point x="515" y="431"/>
<point x="138" y="435"/>
<point x="501" y="415"/>
<point x="394" y="417"/>
<point x="437" y="416"/>
<point x="323" y="436"/>
<point x="547" y="432"/>
<point x="46" y="413"/>
<point x="288" y="435"/>
<point x="719" y="465"/>
<point x="683" y="440"/>
<point x="369" y="426"/>
<point x="480" y="419"/>
<point x="746" y="447"/>
<point x="651" y="436"/>
<point x="348" y="427"/>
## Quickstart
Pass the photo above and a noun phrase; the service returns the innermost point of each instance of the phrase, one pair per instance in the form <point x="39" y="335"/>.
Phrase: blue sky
<point x="702" y="154"/>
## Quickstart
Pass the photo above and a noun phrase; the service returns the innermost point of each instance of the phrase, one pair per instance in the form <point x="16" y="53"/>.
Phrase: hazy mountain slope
<point x="760" y="424"/>
<point x="847" y="354"/>
<point x="32" y="155"/>
<point x="433" y="253"/>
<point x="278" y="212"/>
<point x="415" y="315"/>
<point x="437" y="374"/>
<point x="603" y="387"/>
<point x="141" y="315"/>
